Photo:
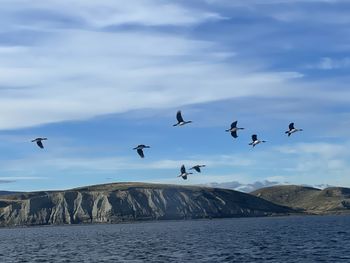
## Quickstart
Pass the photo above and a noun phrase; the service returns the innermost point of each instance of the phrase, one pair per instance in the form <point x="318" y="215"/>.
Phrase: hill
<point x="8" y="193"/>
<point x="331" y="200"/>
<point x="120" y="202"/>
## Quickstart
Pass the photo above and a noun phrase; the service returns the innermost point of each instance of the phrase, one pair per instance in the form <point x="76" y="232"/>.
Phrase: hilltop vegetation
<point x="307" y="199"/>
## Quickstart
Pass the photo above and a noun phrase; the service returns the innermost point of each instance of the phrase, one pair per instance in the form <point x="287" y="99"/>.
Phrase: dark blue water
<point x="283" y="239"/>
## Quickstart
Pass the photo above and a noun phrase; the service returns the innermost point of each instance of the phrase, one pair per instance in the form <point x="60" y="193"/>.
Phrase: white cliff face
<point x="118" y="202"/>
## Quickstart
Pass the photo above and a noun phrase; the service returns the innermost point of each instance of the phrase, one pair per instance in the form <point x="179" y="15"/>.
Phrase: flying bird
<point x="183" y="172"/>
<point x="39" y="142"/>
<point x="197" y="168"/>
<point x="292" y="129"/>
<point x="140" y="148"/>
<point x="255" y="140"/>
<point x="180" y="120"/>
<point x="234" y="129"/>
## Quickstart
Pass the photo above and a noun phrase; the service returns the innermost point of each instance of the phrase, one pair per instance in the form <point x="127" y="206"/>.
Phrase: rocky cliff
<point x="332" y="200"/>
<point x="130" y="202"/>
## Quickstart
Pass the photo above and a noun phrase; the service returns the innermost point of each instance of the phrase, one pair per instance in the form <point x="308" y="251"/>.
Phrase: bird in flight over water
<point x="234" y="129"/>
<point x="183" y="172"/>
<point x="39" y="142"/>
<point x="180" y="120"/>
<point x="255" y="140"/>
<point x="140" y="148"/>
<point x="197" y="168"/>
<point x="292" y="129"/>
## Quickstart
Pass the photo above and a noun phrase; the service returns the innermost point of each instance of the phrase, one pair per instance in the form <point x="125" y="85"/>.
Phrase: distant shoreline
<point x="174" y="220"/>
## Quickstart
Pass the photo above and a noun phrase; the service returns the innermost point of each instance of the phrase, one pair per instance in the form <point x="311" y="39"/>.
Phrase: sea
<point x="269" y="239"/>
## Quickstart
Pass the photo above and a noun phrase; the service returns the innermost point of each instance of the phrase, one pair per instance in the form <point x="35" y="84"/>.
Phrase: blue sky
<point x="100" y="77"/>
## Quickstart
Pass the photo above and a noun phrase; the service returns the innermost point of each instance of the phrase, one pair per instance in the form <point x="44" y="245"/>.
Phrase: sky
<point x="98" y="78"/>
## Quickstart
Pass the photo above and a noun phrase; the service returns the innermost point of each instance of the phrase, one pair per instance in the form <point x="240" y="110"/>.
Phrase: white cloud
<point x="209" y="161"/>
<point x="326" y="12"/>
<point x="7" y="50"/>
<point x="270" y="2"/>
<point x="202" y="179"/>
<point x="55" y="162"/>
<point x="76" y="72"/>
<point x="244" y="187"/>
<point x="112" y="12"/>
<point x="325" y="163"/>
<point x="327" y="150"/>
<point x="328" y="63"/>
<point x="275" y="179"/>
<point x="79" y="74"/>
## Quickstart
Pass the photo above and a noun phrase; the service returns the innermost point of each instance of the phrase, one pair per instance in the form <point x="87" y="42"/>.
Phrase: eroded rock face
<point x="130" y="202"/>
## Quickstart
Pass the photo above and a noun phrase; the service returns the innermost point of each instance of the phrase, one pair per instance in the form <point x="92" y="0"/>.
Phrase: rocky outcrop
<point x="332" y="200"/>
<point x="130" y="202"/>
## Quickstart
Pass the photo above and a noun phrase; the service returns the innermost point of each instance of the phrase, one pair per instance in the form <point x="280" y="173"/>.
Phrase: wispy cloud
<point x="202" y="179"/>
<point x="317" y="161"/>
<point x="209" y="161"/>
<point x="323" y="149"/>
<point x="13" y="179"/>
<point x="107" y="13"/>
<point x="5" y="181"/>
<point x="328" y="63"/>
<point x="120" y="70"/>
<point x="244" y="187"/>
<point x="119" y="163"/>
<point x="79" y="73"/>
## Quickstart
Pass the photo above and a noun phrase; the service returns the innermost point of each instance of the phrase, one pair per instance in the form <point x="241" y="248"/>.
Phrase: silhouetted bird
<point x="140" y="148"/>
<point x="39" y="142"/>
<point x="255" y="140"/>
<point x="292" y="129"/>
<point x="183" y="172"/>
<point x="234" y="129"/>
<point x="180" y="120"/>
<point x="197" y="168"/>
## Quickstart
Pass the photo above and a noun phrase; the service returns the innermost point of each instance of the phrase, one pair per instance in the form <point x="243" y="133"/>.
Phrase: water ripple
<point x="283" y="239"/>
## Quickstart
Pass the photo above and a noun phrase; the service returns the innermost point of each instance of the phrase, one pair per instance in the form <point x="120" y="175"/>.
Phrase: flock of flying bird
<point x="180" y="122"/>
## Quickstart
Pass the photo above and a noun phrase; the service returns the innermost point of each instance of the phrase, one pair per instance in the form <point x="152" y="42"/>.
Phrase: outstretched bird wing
<point x="183" y="169"/>
<point x="234" y="124"/>
<point x="40" y="144"/>
<point x="179" y="116"/>
<point x="254" y="137"/>
<point x="140" y="152"/>
<point x="197" y="168"/>
<point x="291" y="126"/>
<point x="234" y="134"/>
